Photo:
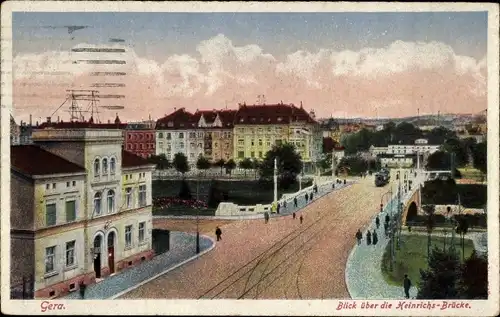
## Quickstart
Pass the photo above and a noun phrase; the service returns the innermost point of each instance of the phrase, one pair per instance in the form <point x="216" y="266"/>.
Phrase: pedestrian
<point x="377" y="222"/>
<point x="311" y="196"/>
<point x="368" y="237"/>
<point x="359" y="236"/>
<point x="345" y="182"/>
<point x="295" y="201"/>
<point x="387" y="218"/>
<point x="407" y="286"/>
<point x="82" y="289"/>
<point x="315" y="188"/>
<point x="301" y="218"/>
<point x="284" y="204"/>
<point x="306" y="197"/>
<point x="333" y="185"/>
<point x="386" y="225"/>
<point x="266" y="217"/>
<point x="218" y="233"/>
<point x="374" y="237"/>
<point x="278" y="208"/>
<point x="293" y="215"/>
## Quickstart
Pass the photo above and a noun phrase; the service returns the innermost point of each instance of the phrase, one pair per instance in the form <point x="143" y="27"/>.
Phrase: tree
<point x="161" y="161"/>
<point x="220" y="163"/>
<point x="479" y="156"/>
<point x="289" y="164"/>
<point x="454" y="145"/>
<point x="440" y="280"/>
<point x="355" y="164"/>
<point x="474" y="278"/>
<point x="429" y="223"/>
<point x="180" y="163"/>
<point x="202" y="163"/>
<point x="438" y="160"/>
<point x="462" y="228"/>
<point x="246" y="164"/>
<point x="230" y="165"/>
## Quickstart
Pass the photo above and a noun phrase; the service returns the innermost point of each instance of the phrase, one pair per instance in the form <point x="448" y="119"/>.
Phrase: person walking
<point x="218" y="233"/>
<point x="82" y="289"/>
<point x="387" y="219"/>
<point x="407" y="286"/>
<point x="306" y="196"/>
<point x="377" y="222"/>
<point x="284" y="204"/>
<point x="293" y="215"/>
<point x="295" y="201"/>
<point x="301" y="218"/>
<point x="368" y="237"/>
<point x="374" y="237"/>
<point x="278" y="207"/>
<point x="359" y="236"/>
<point x="266" y="217"/>
<point x="345" y="181"/>
<point x="311" y="196"/>
<point x="386" y="227"/>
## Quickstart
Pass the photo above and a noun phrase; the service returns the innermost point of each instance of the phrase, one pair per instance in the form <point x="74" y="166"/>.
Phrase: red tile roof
<point x="271" y="114"/>
<point x="179" y="119"/>
<point x="129" y="159"/>
<point x="32" y="160"/>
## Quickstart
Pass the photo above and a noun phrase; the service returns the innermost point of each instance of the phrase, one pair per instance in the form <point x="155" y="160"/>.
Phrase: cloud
<point x="388" y="81"/>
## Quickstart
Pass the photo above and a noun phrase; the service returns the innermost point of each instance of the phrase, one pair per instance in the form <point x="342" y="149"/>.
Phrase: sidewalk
<point x="363" y="274"/>
<point x="182" y="249"/>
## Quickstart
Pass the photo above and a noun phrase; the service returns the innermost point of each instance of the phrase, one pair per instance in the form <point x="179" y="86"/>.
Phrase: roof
<point x="179" y="119"/>
<point x="386" y="155"/>
<point x="271" y="114"/>
<point x="32" y="160"/>
<point x="129" y="159"/>
<point x="83" y="125"/>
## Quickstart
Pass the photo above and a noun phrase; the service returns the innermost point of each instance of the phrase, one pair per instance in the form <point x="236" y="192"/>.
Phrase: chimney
<point x="58" y="119"/>
<point x="30" y="119"/>
<point x="301" y="103"/>
<point x="109" y="121"/>
<point x="175" y="108"/>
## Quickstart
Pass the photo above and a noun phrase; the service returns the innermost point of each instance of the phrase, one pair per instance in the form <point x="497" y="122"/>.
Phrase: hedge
<point x="474" y="220"/>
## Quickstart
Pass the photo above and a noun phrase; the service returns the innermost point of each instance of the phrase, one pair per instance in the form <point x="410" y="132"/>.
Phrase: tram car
<point x="381" y="179"/>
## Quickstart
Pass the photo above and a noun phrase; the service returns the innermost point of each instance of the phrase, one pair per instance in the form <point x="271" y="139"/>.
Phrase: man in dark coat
<point x="311" y="196"/>
<point x="377" y="222"/>
<point x="295" y="201"/>
<point x="407" y="286"/>
<point x="368" y="237"/>
<point x="82" y="289"/>
<point x="284" y="204"/>
<point x="374" y="237"/>
<point x="278" y="208"/>
<point x="266" y="217"/>
<point x="218" y="233"/>
<point x="386" y="228"/>
<point x="293" y="215"/>
<point x="306" y="196"/>
<point x="387" y="219"/>
<point x="301" y="218"/>
<point x="359" y="236"/>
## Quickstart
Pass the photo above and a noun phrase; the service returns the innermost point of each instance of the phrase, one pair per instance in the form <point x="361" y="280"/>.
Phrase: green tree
<point x="246" y="164"/>
<point x="438" y="160"/>
<point x="202" y="163"/>
<point x="180" y="163"/>
<point x="473" y="283"/>
<point x="440" y="280"/>
<point x="355" y="164"/>
<point x="479" y="156"/>
<point x="454" y="145"/>
<point x="230" y="165"/>
<point x="429" y="224"/>
<point x="289" y="164"/>
<point x="220" y="163"/>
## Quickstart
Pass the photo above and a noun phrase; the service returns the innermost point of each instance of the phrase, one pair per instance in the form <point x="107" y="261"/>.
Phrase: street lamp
<point x="197" y="214"/>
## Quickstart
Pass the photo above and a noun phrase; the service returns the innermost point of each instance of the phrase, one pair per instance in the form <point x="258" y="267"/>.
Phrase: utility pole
<point x="197" y="214"/>
<point x="275" y="200"/>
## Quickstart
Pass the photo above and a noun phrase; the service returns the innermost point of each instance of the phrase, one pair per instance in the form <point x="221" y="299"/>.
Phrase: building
<point x="81" y="209"/>
<point x="257" y="128"/>
<point x="140" y="139"/>
<point x="420" y="146"/>
<point x="397" y="160"/>
<point x="15" y="132"/>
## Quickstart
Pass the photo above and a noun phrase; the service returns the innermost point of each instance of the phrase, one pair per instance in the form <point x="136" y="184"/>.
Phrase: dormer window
<point x="279" y="119"/>
<point x="241" y="120"/>
<point x="170" y="124"/>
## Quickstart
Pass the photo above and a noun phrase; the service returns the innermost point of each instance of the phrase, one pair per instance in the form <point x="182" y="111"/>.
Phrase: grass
<point x="184" y="211"/>
<point x="471" y="173"/>
<point x="412" y="257"/>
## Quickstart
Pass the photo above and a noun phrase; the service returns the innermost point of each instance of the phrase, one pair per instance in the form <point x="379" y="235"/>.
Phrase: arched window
<point x="112" y="165"/>
<point x="97" y="166"/>
<point x="160" y="135"/>
<point x="105" y="166"/>
<point x="97" y="203"/>
<point x="111" y="201"/>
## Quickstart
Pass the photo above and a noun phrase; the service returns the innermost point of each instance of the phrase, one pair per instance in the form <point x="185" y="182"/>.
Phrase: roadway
<point x="279" y="260"/>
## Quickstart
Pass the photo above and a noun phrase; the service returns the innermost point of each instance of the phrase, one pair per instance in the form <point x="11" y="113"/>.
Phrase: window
<point x="182" y="145"/>
<point x="253" y="143"/>
<point x="53" y="185"/>
<point x="128" y="236"/>
<point x="96" y="167"/>
<point x="241" y="142"/>
<point x="142" y="195"/>
<point x="241" y="154"/>
<point x="67" y="184"/>
<point x="47" y="186"/>
<point x="70" y="253"/>
<point x="50" y="254"/>
<point x="160" y="135"/>
<point x="169" y="136"/>
<point x="74" y="183"/>
<point x="50" y="214"/>
<point x="181" y="135"/>
<point x="192" y="135"/>
<point x="260" y="142"/>
<point x="112" y="165"/>
<point x="111" y="201"/>
<point x="128" y="197"/>
<point x="105" y="166"/>
<point x="260" y="153"/>
<point x="252" y="154"/>
<point x="97" y="203"/>
<point x="70" y="211"/>
<point x="160" y="145"/>
<point x="142" y="228"/>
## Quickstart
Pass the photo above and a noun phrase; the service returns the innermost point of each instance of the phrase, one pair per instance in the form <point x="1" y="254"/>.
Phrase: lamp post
<point x="197" y="215"/>
<point x="399" y="213"/>
<point x="275" y="177"/>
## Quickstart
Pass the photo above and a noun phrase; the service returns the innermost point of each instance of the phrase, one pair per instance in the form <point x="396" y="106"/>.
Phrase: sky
<point x="337" y="64"/>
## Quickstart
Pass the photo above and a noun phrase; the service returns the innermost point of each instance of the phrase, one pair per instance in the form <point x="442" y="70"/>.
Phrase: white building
<point x="82" y="205"/>
<point x="420" y="146"/>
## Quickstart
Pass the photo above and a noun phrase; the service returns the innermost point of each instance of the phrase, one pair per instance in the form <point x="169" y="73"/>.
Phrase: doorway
<point x="97" y="256"/>
<point x="111" y="252"/>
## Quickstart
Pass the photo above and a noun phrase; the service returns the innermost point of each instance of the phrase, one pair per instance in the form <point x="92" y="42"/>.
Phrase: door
<point x="111" y="252"/>
<point x="97" y="256"/>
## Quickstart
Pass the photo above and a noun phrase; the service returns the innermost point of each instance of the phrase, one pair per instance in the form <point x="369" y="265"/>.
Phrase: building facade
<point x="111" y="229"/>
<point x="140" y="139"/>
<point x="172" y="135"/>
<point x="420" y="146"/>
<point x="15" y="132"/>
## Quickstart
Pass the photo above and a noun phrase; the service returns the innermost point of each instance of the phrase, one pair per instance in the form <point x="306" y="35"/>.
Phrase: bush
<point x="440" y="192"/>
<point x="185" y="191"/>
<point x="215" y="195"/>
